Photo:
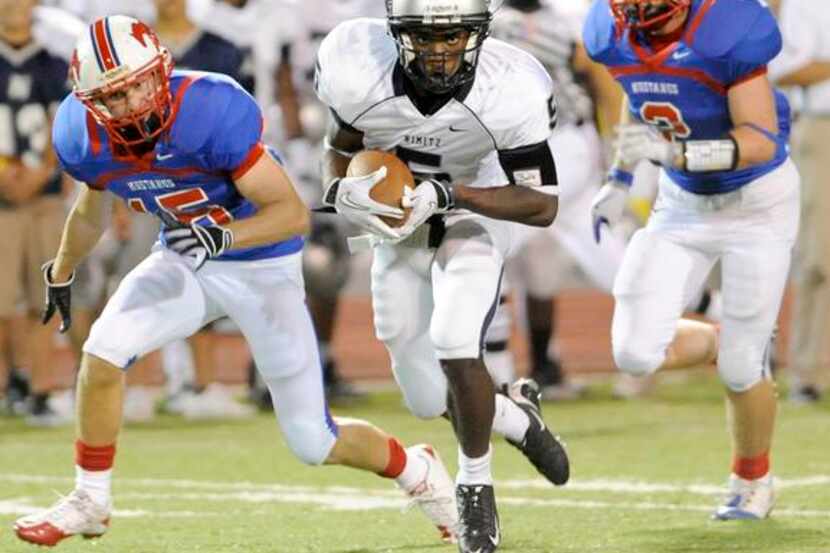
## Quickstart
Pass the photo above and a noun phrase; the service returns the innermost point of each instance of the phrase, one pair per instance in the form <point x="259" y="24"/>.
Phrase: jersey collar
<point x="402" y="86"/>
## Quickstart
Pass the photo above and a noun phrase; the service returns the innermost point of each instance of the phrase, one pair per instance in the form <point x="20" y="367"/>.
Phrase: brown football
<point x="390" y="190"/>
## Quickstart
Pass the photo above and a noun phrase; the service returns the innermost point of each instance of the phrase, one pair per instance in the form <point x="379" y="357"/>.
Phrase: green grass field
<point x="645" y="475"/>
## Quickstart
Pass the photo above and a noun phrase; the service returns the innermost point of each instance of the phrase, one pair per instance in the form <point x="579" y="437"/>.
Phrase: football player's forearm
<point x="334" y="165"/>
<point x="511" y="203"/>
<point x="753" y="147"/>
<point x="272" y="223"/>
<point x="80" y="235"/>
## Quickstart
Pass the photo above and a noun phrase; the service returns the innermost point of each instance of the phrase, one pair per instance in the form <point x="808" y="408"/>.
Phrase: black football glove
<point x="198" y="243"/>
<point x="58" y="297"/>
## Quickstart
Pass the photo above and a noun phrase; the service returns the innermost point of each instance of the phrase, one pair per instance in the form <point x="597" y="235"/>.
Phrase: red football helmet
<point x="644" y="15"/>
<point x="117" y="54"/>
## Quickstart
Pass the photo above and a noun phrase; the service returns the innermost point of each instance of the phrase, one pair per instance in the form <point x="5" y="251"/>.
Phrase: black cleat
<point x="478" y="520"/>
<point x="541" y="448"/>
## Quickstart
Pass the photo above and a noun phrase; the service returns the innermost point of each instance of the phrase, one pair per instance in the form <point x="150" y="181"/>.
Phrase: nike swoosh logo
<point x="680" y="55"/>
<point x="538" y="418"/>
<point x="452" y="129"/>
<point x="162" y="157"/>
<point x="495" y="540"/>
<point x="348" y="202"/>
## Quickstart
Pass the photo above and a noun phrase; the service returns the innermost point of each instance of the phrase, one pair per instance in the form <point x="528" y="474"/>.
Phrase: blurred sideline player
<point x="198" y="49"/>
<point x="187" y="147"/>
<point x="443" y="97"/>
<point x="31" y="203"/>
<point x="805" y="62"/>
<point x="552" y="32"/>
<point x="282" y="54"/>
<point x="699" y="104"/>
<point x="326" y="263"/>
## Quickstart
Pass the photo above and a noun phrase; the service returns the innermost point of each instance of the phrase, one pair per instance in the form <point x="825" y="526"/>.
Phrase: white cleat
<point x="747" y="499"/>
<point x="435" y="494"/>
<point x="73" y="514"/>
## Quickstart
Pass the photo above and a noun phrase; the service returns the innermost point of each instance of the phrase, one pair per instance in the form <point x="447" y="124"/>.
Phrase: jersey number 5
<point x="182" y="206"/>
<point x="667" y="118"/>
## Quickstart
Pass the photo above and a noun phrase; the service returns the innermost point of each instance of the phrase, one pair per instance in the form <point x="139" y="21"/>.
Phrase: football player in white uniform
<point x="458" y="109"/>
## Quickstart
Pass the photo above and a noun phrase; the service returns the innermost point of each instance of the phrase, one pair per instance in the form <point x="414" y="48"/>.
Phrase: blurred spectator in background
<point x="805" y="63"/>
<point x="32" y="83"/>
<point x="193" y="47"/>
<point x="585" y="96"/>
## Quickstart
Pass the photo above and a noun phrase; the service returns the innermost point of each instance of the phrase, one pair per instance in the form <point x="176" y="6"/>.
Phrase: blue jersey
<point x="682" y="89"/>
<point x="32" y="83"/>
<point x="215" y="137"/>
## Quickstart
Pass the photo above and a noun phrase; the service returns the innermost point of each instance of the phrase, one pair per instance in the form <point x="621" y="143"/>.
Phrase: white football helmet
<point x="117" y="53"/>
<point x="416" y="23"/>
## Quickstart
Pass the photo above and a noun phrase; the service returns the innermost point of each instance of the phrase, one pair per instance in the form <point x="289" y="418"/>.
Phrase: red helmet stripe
<point x="103" y="52"/>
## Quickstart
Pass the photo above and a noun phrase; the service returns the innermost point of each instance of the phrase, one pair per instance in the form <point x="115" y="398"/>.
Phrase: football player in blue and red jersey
<point x="700" y="105"/>
<point x="187" y="147"/>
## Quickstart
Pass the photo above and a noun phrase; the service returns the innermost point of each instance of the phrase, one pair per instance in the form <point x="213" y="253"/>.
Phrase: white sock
<point x="474" y="470"/>
<point x="97" y="483"/>
<point x="500" y="366"/>
<point x="509" y="420"/>
<point x="414" y="472"/>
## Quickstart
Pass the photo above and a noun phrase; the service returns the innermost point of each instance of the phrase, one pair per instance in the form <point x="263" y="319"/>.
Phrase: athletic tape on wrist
<point x="701" y="156"/>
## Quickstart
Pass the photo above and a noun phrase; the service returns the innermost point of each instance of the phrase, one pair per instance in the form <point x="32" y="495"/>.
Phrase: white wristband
<point x="710" y="155"/>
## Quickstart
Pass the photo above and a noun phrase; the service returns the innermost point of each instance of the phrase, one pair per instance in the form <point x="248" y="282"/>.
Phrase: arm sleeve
<point x="531" y="165"/>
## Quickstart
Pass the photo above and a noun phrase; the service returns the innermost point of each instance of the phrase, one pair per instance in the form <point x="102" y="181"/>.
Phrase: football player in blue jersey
<point x="187" y="147"/>
<point x="699" y="104"/>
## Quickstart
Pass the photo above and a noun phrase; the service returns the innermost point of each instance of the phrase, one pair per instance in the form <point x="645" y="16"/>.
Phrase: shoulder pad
<point x="352" y="61"/>
<point x="739" y="30"/>
<point x="519" y="109"/>
<point x="211" y="103"/>
<point x="70" y="138"/>
<point x="599" y="32"/>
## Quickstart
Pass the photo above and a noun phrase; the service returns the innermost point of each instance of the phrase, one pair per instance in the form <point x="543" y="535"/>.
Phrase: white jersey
<point x="551" y="35"/>
<point x="503" y="117"/>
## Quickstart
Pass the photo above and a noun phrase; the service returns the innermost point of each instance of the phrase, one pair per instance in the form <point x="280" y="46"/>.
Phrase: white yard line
<point x="358" y="499"/>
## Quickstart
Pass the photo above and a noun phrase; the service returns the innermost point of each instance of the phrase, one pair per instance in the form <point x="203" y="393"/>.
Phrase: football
<point x="390" y="190"/>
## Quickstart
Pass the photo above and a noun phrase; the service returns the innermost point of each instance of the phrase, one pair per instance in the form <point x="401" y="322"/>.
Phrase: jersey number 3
<point x="667" y="118"/>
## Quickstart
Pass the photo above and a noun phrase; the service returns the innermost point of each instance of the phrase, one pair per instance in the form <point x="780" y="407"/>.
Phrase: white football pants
<point x="163" y="300"/>
<point x="751" y="231"/>
<point x="436" y="304"/>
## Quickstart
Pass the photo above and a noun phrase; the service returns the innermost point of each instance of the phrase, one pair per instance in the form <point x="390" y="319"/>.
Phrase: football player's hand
<point x="350" y="198"/>
<point x="58" y="297"/>
<point x="198" y="243"/>
<point x="608" y="205"/>
<point x="428" y="198"/>
<point x="636" y="142"/>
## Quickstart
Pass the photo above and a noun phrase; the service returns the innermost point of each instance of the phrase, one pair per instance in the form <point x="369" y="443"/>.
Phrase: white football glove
<point x="430" y="197"/>
<point x="609" y="202"/>
<point x="350" y="197"/>
<point x="636" y="142"/>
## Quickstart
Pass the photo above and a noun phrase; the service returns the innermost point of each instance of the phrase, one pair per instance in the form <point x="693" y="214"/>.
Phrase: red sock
<point x="94" y="458"/>
<point x="397" y="460"/>
<point x="751" y="468"/>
